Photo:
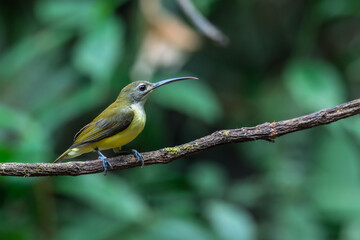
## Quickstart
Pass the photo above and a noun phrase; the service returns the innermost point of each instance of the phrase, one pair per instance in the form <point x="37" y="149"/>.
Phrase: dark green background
<point x="62" y="62"/>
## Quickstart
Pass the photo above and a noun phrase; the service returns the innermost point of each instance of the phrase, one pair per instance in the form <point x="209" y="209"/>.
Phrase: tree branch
<point x="265" y="131"/>
<point x="202" y="24"/>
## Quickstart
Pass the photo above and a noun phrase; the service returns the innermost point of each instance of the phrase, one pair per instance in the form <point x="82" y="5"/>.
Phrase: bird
<point x="118" y="124"/>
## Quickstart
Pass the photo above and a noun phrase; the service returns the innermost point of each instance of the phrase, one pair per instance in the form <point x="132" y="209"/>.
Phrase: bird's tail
<point x="70" y="153"/>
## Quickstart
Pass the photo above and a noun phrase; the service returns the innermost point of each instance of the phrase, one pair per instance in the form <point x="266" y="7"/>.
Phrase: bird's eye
<point x="142" y="87"/>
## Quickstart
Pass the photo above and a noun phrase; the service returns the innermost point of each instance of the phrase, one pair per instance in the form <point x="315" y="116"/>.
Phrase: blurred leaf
<point x="208" y="178"/>
<point x="352" y="125"/>
<point x="55" y="85"/>
<point x="205" y="6"/>
<point x="314" y="85"/>
<point x="351" y="231"/>
<point x="335" y="8"/>
<point x="246" y="192"/>
<point x="295" y="222"/>
<point x="174" y="229"/>
<point x="108" y="194"/>
<point x="230" y="222"/>
<point x="24" y="137"/>
<point x="23" y="90"/>
<point x="27" y="50"/>
<point x="72" y="106"/>
<point x="337" y="171"/>
<point x="88" y="225"/>
<point x="193" y="98"/>
<point x="353" y="69"/>
<point x="67" y="13"/>
<point x="99" y="50"/>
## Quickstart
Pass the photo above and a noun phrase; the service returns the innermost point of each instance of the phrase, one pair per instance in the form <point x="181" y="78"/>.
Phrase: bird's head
<point x="138" y="92"/>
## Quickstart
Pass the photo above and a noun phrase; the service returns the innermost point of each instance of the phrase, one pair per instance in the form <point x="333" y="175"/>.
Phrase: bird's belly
<point x="125" y="136"/>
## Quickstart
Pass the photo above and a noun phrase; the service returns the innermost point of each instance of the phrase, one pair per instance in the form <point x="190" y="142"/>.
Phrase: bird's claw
<point x="106" y="163"/>
<point x="138" y="156"/>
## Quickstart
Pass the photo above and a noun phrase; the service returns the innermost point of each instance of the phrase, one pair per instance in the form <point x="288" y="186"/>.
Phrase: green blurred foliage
<point x="62" y="62"/>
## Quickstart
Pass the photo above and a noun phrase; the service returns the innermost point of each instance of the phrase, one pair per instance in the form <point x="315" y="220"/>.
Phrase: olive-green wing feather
<point x="107" y="124"/>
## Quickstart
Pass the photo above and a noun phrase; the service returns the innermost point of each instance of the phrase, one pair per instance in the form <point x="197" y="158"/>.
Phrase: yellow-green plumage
<point x="116" y="141"/>
<point x="128" y="118"/>
<point x="118" y="124"/>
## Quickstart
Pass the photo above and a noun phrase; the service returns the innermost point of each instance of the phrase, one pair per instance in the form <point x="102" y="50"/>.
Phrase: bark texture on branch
<point x="266" y="131"/>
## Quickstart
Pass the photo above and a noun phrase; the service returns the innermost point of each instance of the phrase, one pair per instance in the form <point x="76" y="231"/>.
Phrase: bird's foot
<point x="138" y="156"/>
<point x="106" y="163"/>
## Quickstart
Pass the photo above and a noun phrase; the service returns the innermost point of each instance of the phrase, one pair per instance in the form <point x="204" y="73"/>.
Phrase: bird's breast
<point x="130" y="133"/>
<point x="138" y="123"/>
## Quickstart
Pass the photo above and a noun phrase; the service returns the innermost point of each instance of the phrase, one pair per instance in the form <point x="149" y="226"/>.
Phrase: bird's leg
<point x="106" y="163"/>
<point x="137" y="155"/>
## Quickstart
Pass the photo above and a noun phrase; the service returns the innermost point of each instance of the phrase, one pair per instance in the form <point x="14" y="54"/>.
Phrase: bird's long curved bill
<point x="163" y="82"/>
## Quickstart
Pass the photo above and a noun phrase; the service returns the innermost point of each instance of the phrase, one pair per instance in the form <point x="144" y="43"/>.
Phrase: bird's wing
<point x="107" y="124"/>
